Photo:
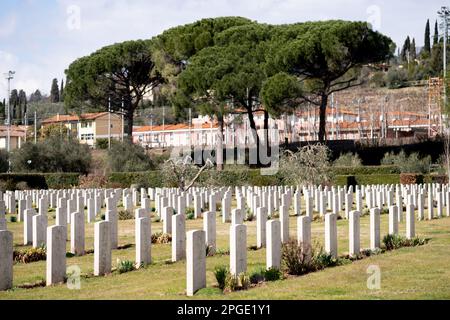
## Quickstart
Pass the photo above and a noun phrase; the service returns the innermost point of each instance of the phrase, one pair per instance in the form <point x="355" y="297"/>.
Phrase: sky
<point x="40" y="38"/>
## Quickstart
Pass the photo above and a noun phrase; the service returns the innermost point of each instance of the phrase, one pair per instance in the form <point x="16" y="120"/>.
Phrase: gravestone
<point x="56" y="254"/>
<point x="331" y="234"/>
<point x="238" y="249"/>
<point x="6" y="260"/>
<point x="143" y="240"/>
<point x="195" y="262"/>
<point x="77" y="234"/>
<point x="354" y="233"/>
<point x="102" y="248"/>
<point x="273" y="251"/>
<point x="374" y="228"/>
<point x="179" y="237"/>
<point x="261" y="219"/>
<point x="209" y="226"/>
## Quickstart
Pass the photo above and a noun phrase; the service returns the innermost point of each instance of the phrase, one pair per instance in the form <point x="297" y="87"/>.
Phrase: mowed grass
<point x="408" y="273"/>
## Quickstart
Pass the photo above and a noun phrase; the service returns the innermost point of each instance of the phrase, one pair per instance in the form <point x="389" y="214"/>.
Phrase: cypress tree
<point x="412" y="52"/>
<point x="54" y="91"/>
<point x="427" y="45"/>
<point x="61" y="91"/>
<point x="436" y="34"/>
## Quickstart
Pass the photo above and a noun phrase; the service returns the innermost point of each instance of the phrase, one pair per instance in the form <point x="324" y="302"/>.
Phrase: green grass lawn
<point x="408" y="273"/>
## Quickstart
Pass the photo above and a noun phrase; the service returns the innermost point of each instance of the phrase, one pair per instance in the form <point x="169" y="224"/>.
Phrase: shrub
<point x="125" y="266"/>
<point x="103" y="217"/>
<point x="348" y="160"/>
<point x="54" y="154"/>
<point x="221" y="273"/>
<point x="161" y="238"/>
<point x="13" y="219"/>
<point x="257" y="276"/>
<point x="249" y="215"/>
<point x="92" y="181"/>
<point x="190" y="216"/>
<point x="411" y="178"/>
<point x="309" y="165"/>
<point x="395" y="241"/>
<point x="125" y="215"/>
<point x="30" y="255"/>
<point x="297" y="260"/>
<point x="128" y="157"/>
<point x="244" y="281"/>
<point x="272" y="274"/>
<point x="408" y="164"/>
<point x="101" y="143"/>
<point x="4" y="161"/>
<point x="231" y="282"/>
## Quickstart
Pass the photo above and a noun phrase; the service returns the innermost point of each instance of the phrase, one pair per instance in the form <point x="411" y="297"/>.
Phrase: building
<point x="178" y="135"/>
<point x="89" y="127"/>
<point x="18" y="136"/>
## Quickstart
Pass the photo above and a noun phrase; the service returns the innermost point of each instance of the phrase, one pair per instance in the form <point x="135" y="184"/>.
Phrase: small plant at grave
<point x="13" y="219"/>
<point x="54" y="216"/>
<point x="365" y="212"/>
<point x="221" y="273"/>
<point x="30" y="255"/>
<point x="385" y="211"/>
<point x="325" y="260"/>
<point x="249" y="215"/>
<point x="210" y="251"/>
<point x="190" y="210"/>
<point x="161" y="238"/>
<point x="125" y="215"/>
<point x="231" y="282"/>
<point x="153" y="209"/>
<point x="395" y="241"/>
<point x="190" y="216"/>
<point x="103" y="217"/>
<point x="244" y="281"/>
<point x="296" y="259"/>
<point x="125" y="266"/>
<point x="272" y="274"/>
<point x="257" y="276"/>
<point x="222" y="252"/>
<point x="370" y="252"/>
<point x="51" y="209"/>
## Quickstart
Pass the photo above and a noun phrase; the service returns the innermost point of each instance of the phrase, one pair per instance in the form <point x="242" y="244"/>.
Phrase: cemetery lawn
<point x="407" y="273"/>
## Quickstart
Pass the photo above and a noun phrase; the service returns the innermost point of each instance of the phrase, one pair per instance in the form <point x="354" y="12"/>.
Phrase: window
<point x="86" y="124"/>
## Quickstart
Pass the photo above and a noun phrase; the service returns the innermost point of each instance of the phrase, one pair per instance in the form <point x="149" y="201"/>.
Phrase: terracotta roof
<point x="74" y="117"/>
<point x="174" y="127"/>
<point x="16" y="131"/>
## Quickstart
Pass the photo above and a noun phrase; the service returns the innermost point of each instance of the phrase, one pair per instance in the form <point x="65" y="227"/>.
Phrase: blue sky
<point x="40" y="38"/>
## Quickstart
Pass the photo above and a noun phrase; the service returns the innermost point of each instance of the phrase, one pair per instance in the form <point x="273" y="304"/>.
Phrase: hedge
<point x="365" y="170"/>
<point x="40" y="180"/>
<point x="148" y="179"/>
<point x="365" y="179"/>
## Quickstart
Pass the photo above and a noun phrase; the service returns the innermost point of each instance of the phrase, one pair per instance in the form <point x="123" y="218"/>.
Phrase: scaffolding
<point x="435" y="92"/>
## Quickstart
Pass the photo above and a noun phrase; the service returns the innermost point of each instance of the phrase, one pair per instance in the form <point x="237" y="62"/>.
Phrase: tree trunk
<point x="254" y="133"/>
<point x="219" y="144"/>
<point x="130" y="121"/>
<point x="266" y="128"/>
<point x="323" y="118"/>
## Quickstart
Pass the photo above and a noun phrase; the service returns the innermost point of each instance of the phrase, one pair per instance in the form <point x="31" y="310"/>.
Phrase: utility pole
<point x="121" y="136"/>
<point x="444" y="14"/>
<point x="9" y="77"/>
<point x="109" y="123"/>
<point x="35" y="127"/>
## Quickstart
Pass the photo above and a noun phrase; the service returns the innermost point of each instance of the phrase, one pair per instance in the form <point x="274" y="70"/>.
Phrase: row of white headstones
<point x="259" y="201"/>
